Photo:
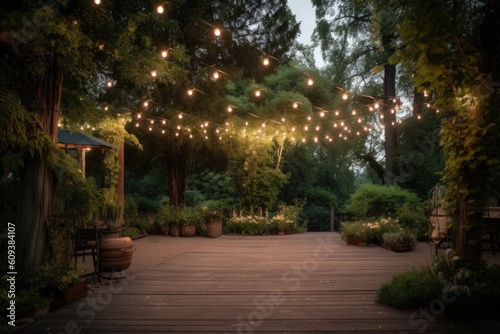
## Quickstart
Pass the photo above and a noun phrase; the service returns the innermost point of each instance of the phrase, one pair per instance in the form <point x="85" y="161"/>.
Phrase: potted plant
<point x="213" y="219"/>
<point x="280" y="223"/>
<point x="189" y="222"/>
<point x="400" y="241"/>
<point x="110" y="213"/>
<point x="172" y="216"/>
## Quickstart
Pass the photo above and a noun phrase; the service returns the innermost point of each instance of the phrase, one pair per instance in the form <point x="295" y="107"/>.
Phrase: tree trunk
<point x="41" y="94"/>
<point x="389" y="122"/>
<point x="177" y="178"/>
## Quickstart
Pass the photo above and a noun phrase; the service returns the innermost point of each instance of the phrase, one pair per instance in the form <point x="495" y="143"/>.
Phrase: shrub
<point x="317" y="217"/>
<point x="413" y="218"/>
<point x="411" y="289"/>
<point x="251" y="225"/>
<point x="372" y="201"/>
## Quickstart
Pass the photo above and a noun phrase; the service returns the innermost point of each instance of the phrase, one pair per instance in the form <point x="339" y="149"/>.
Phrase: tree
<point x="452" y="48"/>
<point x="343" y="30"/>
<point x="193" y="108"/>
<point x="61" y="51"/>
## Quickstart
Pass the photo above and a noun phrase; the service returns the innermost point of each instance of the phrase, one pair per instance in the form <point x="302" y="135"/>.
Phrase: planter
<point x="352" y="240"/>
<point x="72" y="293"/>
<point x="175" y="230"/>
<point x="164" y="229"/>
<point x="401" y="248"/>
<point x="214" y="228"/>
<point x="115" y="254"/>
<point x="188" y="230"/>
<point x="107" y="234"/>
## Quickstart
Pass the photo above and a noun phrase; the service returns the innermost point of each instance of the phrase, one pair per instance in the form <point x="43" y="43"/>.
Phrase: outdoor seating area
<point x="307" y="282"/>
<point x="228" y="166"/>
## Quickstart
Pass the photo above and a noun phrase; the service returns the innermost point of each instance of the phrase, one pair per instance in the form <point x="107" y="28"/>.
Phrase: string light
<point x="295" y="105"/>
<point x="345" y="96"/>
<point x="164" y="53"/>
<point x="257" y="93"/>
<point x="153" y="73"/>
<point x="310" y="82"/>
<point x="217" y="32"/>
<point x="265" y="61"/>
<point x="160" y="9"/>
<point x="97" y="2"/>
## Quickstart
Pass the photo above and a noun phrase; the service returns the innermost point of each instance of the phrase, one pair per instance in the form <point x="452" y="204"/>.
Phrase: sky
<point x="304" y="13"/>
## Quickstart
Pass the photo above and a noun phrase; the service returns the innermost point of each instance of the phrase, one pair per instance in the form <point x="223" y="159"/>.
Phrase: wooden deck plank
<point x="301" y="283"/>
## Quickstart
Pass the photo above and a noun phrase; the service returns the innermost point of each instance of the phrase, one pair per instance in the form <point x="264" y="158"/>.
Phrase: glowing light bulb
<point x="164" y="122"/>
<point x="97" y="2"/>
<point x="153" y="74"/>
<point x="337" y="113"/>
<point x="164" y="53"/>
<point x="345" y="96"/>
<point x="295" y="105"/>
<point x="145" y="104"/>
<point x="217" y="32"/>
<point x="265" y="61"/>
<point x="106" y="108"/>
<point x="160" y="9"/>
<point x="162" y="132"/>
<point x="109" y="83"/>
<point x="257" y="93"/>
<point x="215" y="75"/>
<point x="152" y="122"/>
<point x="377" y="106"/>
<point x="180" y="116"/>
<point x="310" y="82"/>
<point x="322" y="114"/>
<point x="229" y="109"/>
<point x="136" y="125"/>
<point x="353" y="112"/>
<point x="190" y="92"/>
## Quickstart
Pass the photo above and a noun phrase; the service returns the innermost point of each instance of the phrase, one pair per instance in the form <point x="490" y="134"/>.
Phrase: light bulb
<point x="295" y="105"/>
<point x="345" y="96"/>
<point x="190" y="92"/>
<point x="153" y="74"/>
<point x="215" y="75"/>
<point x="97" y="2"/>
<point x="160" y="9"/>
<point x="164" y="54"/>
<point x="217" y="32"/>
<point x="257" y="93"/>
<point x="265" y="61"/>
<point x="229" y="109"/>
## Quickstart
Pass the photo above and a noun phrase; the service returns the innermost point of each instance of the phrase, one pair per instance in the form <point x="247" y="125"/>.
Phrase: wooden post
<point x="332" y="220"/>
<point x="121" y="179"/>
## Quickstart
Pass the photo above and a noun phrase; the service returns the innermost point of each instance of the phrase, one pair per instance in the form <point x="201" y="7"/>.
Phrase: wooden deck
<point x="303" y="283"/>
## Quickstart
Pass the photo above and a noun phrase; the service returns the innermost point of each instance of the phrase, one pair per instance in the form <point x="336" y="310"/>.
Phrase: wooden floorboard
<point x="303" y="283"/>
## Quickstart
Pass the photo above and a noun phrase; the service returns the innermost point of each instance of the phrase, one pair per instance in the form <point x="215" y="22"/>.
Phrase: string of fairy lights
<point x="318" y="127"/>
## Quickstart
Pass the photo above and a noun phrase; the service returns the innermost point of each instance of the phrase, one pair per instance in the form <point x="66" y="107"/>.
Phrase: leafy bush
<point x="369" y="230"/>
<point x="372" y="201"/>
<point x="413" y="219"/>
<point x="251" y="225"/>
<point x="399" y="237"/>
<point x="317" y="217"/>
<point x="411" y="289"/>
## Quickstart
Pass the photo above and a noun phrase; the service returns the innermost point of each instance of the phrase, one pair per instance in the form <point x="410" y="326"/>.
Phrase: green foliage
<point x="400" y="237"/>
<point x="409" y="290"/>
<point x="371" y="201"/>
<point x="21" y="130"/>
<point x="258" y="180"/>
<point x="413" y="218"/>
<point x="369" y="230"/>
<point x="247" y="225"/>
<point x="317" y="218"/>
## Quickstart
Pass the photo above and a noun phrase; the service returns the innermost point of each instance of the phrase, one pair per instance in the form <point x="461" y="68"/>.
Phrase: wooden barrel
<point x="115" y="254"/>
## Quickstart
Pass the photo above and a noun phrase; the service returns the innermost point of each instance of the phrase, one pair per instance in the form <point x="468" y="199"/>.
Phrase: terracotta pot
<point x="175" y="230"/>
<point x="107" y="234"/>
<point x="352" y="240"/>
<point x="115" y="254"/>
<point x="401" y="248"/>
<point x="188" y="230"/>
<point x="214" y="228"/>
